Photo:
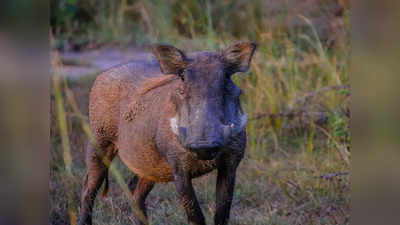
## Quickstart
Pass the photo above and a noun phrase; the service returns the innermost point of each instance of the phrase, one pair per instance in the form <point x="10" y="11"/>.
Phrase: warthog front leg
<point x="140" y="189"/>
<point x="224" y="189"/>
<point x="184" y="187"/>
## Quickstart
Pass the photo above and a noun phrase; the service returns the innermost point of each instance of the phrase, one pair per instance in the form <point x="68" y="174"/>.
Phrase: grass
<point x="297" y="160"/>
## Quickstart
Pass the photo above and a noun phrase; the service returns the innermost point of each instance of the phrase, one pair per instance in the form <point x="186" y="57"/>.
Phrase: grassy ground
<point x="297" y="162"/>
<point x="295" y="169"/>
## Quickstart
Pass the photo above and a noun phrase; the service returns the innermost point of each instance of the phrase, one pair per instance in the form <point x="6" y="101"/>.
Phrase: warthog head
<point x="207" y="101"/>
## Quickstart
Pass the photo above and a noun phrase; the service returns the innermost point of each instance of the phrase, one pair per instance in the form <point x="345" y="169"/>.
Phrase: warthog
<point x="173" y="118"/>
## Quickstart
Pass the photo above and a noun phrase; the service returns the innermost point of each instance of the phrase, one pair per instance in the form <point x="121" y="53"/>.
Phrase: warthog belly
<point x="150" y="165"/>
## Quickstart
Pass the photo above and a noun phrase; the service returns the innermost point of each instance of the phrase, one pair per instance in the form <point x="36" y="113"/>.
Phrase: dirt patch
<point x="88" y="62"/>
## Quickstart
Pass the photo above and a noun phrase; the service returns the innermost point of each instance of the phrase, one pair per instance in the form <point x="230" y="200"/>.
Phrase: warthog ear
<point x="171" y="59"/>
<point x="238" y="56"/>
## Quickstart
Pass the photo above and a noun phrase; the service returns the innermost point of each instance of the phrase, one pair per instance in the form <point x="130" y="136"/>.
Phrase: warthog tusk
<point x="242" y="125"/>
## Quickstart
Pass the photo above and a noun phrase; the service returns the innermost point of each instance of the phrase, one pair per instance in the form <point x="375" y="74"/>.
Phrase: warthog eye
<point x="181" y="75"/>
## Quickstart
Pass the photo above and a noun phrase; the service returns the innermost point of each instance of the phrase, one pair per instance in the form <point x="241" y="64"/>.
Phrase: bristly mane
<point x="136" y="106"/>
<point x="156" y="82"/>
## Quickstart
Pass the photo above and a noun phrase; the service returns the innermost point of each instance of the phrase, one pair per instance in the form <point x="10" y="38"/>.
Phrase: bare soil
<point x="93" y="61"/>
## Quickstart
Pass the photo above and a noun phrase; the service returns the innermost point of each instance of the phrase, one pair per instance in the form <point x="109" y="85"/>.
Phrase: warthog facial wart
<point x="174" y="125"/>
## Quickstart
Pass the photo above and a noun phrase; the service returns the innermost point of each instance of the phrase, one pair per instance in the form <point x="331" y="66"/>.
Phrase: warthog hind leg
<point x="97" y="161"/>
<point x="140" y="188"/>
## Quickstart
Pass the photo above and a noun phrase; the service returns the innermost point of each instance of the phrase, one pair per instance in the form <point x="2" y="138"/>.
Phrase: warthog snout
<point x="205" y="150"/>
<point x="207" y="147"/>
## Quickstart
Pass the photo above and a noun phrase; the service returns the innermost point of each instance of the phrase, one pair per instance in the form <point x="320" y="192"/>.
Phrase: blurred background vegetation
<point x="296" y="95"/>
<point x="79" y="23"/>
